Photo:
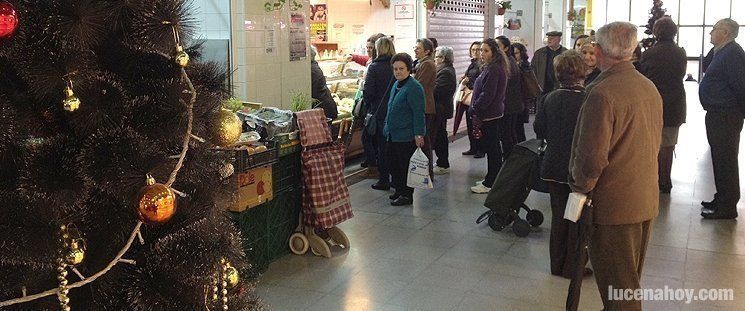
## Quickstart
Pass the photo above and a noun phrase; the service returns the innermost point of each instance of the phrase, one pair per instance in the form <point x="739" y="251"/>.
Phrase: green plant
<point x="276" y="5"/>
<point x="233" y="104"/>
<point x="301" y="101"/>
<point x="507" y="5"/>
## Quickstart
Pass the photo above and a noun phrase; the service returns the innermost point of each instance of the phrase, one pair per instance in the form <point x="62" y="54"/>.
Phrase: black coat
<point x="473" y="72"/>
<point x="591" y="77"/>
<point x="513" y="101"/>
<point x="665" y="64"/>
<point x="378" y="82"/>
<point x="445" y="86"/>
<point x="320" y="92"/>
<point x="555" y="120"/>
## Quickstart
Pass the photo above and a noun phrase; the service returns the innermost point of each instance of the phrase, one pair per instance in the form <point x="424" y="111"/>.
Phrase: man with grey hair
<point x="722" y="95"/>
<point x="445" y="86"/>
<point x="614" y="161"/>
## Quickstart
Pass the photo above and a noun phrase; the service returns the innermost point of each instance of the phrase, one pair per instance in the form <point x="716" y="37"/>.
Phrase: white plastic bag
<point x="419" y="171"/>
<point x="575" y="205"/>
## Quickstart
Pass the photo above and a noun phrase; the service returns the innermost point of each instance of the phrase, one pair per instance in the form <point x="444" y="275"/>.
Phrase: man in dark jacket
<point x="319" y="91"/>
<point x="665" y="64"/>
<point x="722" y="94"/>
<point x="543" y="61"/>
<point x="445" y="86"/>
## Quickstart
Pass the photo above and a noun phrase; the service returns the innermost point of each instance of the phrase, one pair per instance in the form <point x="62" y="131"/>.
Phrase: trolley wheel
<point x="338" y="236"/>
<point x="299" y="243"/>
<point x="521" y="228"/>
<point x="319" y="246"/>
<point x="496" y="223"/>
<point x="534" y="218"/>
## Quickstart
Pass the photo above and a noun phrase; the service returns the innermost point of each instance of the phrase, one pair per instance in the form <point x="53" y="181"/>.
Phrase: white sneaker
<point x="480" y="189"/>
<point x="480" y="182"/>
<point x="440" y="170"/>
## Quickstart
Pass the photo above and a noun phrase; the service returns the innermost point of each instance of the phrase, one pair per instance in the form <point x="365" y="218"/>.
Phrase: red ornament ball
<point x="8" y="19"/>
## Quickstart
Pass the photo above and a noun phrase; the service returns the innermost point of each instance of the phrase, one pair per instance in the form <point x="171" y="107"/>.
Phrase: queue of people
<point x="609" y="115"/>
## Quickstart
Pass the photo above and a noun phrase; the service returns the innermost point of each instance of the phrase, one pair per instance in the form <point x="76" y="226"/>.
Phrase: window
<point x="716" y="10"/>
<point x="618" y="10"/>
<point x="692" y="13"/>
<point x="640" y="13"/>
<point x="738" y="11"/>
<point x="691" y="39"/>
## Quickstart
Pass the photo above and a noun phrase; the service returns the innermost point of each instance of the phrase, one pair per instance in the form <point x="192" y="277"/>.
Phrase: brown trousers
<point x="617" y="254"/>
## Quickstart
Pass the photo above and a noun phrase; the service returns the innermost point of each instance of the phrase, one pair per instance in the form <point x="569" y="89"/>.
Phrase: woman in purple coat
<point x="487" y="107"/>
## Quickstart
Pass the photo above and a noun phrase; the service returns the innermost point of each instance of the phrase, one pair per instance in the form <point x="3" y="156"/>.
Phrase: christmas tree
<point x="655" y="13"/>
<point x="110" y="176"/>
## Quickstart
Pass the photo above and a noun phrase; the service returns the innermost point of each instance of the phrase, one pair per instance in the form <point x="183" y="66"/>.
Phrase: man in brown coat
<point x="614" y="157"/>
<point x="425" y="72"/>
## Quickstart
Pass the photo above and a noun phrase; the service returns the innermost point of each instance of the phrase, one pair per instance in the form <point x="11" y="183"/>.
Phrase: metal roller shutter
<point x="457" y="24"/>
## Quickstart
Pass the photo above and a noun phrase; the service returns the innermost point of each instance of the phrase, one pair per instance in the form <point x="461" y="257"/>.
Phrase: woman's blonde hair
<point x="385" y="47"/>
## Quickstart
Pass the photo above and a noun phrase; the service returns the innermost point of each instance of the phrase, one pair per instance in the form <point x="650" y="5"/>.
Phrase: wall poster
<point x="318" y="22"/>
<point x="298" y="37"/>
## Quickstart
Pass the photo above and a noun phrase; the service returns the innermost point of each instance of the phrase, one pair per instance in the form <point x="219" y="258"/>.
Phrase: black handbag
<point x="371" y="122"/>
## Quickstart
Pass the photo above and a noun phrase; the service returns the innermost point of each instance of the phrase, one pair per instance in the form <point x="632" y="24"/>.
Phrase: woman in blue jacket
<point x="404" y="127"/>
<point x="487" y="106"/>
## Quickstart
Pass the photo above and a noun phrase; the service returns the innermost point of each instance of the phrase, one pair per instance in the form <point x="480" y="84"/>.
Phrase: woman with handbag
<point x="404" y="128"/>
<point x="463" y="98"/>
<point x="530" y="87"/>
<point x="369" y="142"/>
<point x="378" y="81"/>
<point x="487" y="107"/>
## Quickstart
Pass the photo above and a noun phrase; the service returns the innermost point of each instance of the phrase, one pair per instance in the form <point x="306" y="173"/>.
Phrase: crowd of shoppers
<point x="609" y="115"/>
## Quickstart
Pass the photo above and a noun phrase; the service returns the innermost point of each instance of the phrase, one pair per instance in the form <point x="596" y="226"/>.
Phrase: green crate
<point x="286" y="172"/>
<point x="282" y="219"/>
<point x="252" y="224"/>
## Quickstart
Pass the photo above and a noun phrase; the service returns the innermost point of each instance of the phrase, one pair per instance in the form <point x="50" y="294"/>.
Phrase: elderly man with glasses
<point x="722" y="95"/>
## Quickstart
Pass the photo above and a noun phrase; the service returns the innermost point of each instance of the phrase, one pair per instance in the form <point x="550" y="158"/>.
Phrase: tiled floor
<point x="432" y="256"/>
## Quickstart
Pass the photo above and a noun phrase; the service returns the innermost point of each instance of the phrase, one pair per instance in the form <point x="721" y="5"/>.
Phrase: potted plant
<point x="503" y="7"/>
<point x="432" y="4"/>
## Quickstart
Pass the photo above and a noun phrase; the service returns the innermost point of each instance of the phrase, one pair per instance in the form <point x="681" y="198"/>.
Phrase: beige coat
<point x="426" y="74"/>
<point x="615" y="146"/>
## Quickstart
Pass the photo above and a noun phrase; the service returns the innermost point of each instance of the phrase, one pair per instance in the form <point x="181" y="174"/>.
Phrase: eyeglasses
<point x="439" y="56"/>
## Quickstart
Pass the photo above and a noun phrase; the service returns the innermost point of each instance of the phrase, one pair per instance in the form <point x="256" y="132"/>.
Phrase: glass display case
<point x="343" y="79"/>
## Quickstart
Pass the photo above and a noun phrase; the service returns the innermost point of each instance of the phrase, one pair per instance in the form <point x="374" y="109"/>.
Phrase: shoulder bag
<point x="371" y="122"/>
<point x="531" y="88"/>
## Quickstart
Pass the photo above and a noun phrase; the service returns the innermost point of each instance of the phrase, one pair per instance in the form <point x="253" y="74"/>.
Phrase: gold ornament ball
<point x="71" y="102"/>
<point x="232" y="277"/>
<point x="226" y="129"/>
<point x="75" y="256"/>
<point x="157" y="203"/>
<point x="182" y="59"/>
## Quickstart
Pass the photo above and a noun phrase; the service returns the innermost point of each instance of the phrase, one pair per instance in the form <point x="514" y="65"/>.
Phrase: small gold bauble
<point x="75" y="256"/>
<point x="181" y="58"/>
<point x="71" y="102"/>
<point x="232" y="277"/>
<point x="226" y="129"/>
<point x="157" y="202"/>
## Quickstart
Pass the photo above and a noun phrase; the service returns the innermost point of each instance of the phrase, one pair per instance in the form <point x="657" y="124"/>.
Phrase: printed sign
<point x="404" y="11"/>
<point x="298" y="37"/>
